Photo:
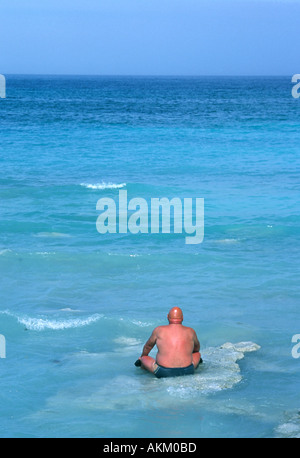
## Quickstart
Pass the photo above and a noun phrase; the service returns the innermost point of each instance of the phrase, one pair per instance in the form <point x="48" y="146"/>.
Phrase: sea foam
<point x="41" y="324"/>
<point x="103" y="185"/>
<point x="6" y="250"/>
<point x="290" y="428"/>
<point x="220" y="371"/>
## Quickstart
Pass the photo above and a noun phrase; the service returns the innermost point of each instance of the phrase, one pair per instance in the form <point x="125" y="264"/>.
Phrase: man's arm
<point x="149" y="344"/>
<point x="196" y="351"/>
<point x="196" y="343"/>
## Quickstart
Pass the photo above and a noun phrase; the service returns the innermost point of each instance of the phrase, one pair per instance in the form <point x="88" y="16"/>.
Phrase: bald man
<point x="178" y="348"/>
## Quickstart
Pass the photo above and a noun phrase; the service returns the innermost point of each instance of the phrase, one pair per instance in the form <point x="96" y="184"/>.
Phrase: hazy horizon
<point x="146" y="76"/>
<point x="161" y="38"/>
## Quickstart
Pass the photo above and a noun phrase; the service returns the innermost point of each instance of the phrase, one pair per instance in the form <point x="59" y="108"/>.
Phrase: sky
<point x="150" y="37"/>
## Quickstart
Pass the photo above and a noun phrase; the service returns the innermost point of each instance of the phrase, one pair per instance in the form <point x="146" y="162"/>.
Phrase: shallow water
<point x="77" y="306"/>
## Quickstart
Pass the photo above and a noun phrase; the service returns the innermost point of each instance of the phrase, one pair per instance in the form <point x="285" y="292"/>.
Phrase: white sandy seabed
<point x="220" y="371"/>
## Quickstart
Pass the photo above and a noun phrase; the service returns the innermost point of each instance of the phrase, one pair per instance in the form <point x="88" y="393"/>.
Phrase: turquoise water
<point x="77" y="306"/>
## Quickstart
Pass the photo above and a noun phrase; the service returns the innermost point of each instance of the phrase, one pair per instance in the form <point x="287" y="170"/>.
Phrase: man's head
<point x="175" y="316"/>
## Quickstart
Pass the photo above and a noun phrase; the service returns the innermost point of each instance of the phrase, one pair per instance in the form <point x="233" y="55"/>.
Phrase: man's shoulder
<point x="159" y="329"/>
<point x="190" y="330"/>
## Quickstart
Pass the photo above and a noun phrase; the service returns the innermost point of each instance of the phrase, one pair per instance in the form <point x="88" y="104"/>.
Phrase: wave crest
<point x="41" y="324"/>
<point x="103" y="185"/>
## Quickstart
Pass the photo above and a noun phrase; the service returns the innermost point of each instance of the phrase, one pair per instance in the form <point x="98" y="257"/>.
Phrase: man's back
<point x="175" y="344"/>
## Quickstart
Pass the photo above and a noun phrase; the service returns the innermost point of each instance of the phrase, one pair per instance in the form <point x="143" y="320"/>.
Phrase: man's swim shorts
<point x="162" y="371"/>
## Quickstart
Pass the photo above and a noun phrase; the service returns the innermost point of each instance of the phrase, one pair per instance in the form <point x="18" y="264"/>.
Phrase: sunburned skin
<point x="177" y="345"/>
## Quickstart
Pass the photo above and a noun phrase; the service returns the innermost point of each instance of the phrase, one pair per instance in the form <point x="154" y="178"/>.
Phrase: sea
<point x="77" y="306"/>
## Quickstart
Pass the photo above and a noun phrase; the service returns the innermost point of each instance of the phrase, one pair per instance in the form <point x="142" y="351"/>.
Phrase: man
<point x="178" y="348"/>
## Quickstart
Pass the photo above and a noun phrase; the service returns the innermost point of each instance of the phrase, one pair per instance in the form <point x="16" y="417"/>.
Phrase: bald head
<point x="175" y="316"/>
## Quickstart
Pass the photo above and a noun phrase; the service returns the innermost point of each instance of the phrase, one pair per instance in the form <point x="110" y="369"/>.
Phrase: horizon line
<point x="145" y="75"/>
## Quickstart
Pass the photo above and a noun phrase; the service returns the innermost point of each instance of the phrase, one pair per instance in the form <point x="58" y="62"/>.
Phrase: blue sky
<point x="150" y="37"/>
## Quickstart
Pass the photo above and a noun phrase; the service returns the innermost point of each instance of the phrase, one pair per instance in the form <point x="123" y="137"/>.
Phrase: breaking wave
<point x="41" y="324"/>
<point x="103" y="185"/>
